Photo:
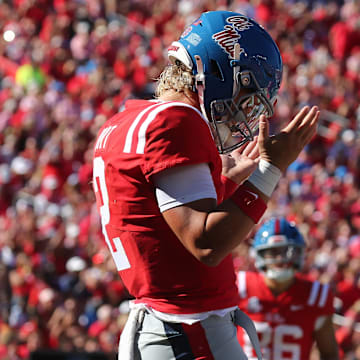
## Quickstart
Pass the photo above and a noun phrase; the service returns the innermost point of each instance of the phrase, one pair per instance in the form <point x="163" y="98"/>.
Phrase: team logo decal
<point x="241" y="23"/>
<point x="228" y="37"/>
<point x="277" y="239"/>
<point x="194" y="39"/>
<point x="186" y="32"/>
<point x="173" y="48"/>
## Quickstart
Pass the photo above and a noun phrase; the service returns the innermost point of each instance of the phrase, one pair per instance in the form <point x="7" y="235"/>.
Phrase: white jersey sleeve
<point x="183" y="184"/>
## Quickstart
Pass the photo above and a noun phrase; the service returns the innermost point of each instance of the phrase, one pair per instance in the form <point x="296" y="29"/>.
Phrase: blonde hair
<point x="174" y="77"/>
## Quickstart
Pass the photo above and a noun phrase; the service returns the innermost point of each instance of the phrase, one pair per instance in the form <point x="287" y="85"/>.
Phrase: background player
<point x="166" y="197"/>
<point x="289" y="312"/>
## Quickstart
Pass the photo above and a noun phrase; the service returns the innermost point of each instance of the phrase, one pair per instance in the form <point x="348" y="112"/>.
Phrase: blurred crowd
<point x="67" y="66"/>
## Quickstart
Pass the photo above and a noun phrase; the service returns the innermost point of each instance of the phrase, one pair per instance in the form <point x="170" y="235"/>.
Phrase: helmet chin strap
<point x="236" y="68"/>
<point x="200" y="84"/>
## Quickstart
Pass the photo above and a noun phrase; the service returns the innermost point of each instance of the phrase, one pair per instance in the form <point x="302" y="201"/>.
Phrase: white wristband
<point x="265" y="177"/>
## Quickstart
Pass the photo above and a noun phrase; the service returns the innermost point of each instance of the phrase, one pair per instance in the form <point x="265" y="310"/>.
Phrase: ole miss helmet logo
<point x="228" y="37"/>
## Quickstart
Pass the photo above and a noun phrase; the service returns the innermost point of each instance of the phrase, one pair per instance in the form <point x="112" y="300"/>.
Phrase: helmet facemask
<point x="280" y="275"/>
<point x="292" y="255"/>
<point x="236" y="120"/>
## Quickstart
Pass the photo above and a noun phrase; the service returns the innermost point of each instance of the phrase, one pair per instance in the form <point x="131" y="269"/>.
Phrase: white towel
<point x="127" y="338"/>
<point x="247" y="324"/>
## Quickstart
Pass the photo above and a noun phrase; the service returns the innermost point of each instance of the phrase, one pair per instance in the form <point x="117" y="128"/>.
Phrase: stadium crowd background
<point x="67" y="66"/>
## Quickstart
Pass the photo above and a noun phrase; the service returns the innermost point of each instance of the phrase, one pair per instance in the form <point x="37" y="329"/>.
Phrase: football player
<point x="289" y="312"/>
<point x="172" y="209"/>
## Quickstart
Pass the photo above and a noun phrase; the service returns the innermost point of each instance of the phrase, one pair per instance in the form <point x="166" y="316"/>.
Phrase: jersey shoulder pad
<point x="175" y="133"/>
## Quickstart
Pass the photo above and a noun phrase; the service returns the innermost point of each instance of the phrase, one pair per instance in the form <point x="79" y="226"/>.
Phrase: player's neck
<point x="277" y="287"/>
<point x="189" y="97"/>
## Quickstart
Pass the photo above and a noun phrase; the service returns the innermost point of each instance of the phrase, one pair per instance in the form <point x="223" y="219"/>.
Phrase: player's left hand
<point x="284" y="147"/>
<point x="240" y="163"/>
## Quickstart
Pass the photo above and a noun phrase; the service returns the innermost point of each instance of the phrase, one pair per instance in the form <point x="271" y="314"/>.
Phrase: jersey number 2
<point x="102" y="197"/>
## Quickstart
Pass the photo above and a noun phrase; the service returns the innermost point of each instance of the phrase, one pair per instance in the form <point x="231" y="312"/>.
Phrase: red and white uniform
<point x="146" y="138"/>
<point x="285" y="323"/>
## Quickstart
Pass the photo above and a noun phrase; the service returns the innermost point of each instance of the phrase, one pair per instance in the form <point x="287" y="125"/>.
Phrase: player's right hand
<point x="283" y="148"/>
<point x="241" y="163"/>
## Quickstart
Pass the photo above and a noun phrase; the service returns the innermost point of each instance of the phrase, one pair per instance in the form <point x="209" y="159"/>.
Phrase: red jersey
<point x="285" y="323"/>
<point x="146" y="138"/>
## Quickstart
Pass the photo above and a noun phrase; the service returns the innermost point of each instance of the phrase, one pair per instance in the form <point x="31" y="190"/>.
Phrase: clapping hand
<point x="283" y="148"/>
<point x="240" y="164"/>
